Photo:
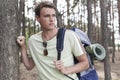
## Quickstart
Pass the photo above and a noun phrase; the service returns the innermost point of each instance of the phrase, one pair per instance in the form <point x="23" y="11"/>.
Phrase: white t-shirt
<point x="45" y="64"/>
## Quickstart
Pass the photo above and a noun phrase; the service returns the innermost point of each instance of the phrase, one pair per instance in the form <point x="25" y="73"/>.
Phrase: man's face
<point x="47" y="18"/>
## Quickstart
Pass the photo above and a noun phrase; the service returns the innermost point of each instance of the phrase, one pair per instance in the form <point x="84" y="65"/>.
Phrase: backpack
<point x="90" y="73"/>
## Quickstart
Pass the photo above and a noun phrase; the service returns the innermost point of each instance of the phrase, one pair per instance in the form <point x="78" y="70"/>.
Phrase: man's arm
<point x="80" y="54"/>
<point x="83" y="64"/>
<point x="28" y="62"/>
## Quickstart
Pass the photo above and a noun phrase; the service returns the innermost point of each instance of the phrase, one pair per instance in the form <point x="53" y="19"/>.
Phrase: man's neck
<point x="47" y="35"/>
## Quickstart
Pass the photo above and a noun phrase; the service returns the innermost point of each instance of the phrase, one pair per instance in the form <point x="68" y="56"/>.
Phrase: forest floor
<point x="115" y="70"/>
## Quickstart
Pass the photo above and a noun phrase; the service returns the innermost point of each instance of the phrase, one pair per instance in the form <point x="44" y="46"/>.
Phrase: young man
<point x="42" y="48"/>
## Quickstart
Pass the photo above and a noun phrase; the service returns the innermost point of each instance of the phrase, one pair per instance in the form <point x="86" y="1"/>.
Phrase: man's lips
<point x="51" y="23"/>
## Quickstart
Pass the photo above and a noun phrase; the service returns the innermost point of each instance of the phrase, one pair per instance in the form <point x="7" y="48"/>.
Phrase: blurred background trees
<point x="84" y="14"/>
<point x="100" y="19"/>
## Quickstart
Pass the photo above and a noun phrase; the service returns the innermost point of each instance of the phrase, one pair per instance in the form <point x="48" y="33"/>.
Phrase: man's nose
<point x="51" y="18"/>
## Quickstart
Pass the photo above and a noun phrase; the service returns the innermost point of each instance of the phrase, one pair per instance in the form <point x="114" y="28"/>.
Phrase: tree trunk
<point x="107" y="68"/>
<point x="89" y="9"/>
<point x="119" y="14"/>
<point x="68" y="13"/>
<point x="113" y="37"/>
<point x="22" y="17"/>
<point x="59" y="16"/>
<point x="9" y="56"/>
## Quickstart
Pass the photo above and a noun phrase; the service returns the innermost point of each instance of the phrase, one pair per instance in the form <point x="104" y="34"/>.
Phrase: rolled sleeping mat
<point x="98" y="50"/>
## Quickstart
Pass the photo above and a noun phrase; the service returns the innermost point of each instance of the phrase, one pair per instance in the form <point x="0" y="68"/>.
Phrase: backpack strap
<point x="60" y="45"/>
<point x="60" y="41"/>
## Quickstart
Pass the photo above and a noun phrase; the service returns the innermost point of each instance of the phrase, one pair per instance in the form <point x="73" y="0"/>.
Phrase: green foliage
<point x="28" y="33"/>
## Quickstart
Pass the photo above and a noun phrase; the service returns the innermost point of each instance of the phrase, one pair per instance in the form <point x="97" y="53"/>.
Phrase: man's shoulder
<point x="35" y="36"/>
<point x="69" y="32"/>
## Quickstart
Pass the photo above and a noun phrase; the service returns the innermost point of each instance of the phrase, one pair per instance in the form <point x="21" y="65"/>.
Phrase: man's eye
<point x="54" y="15"/>
<point x="46" y="15"/>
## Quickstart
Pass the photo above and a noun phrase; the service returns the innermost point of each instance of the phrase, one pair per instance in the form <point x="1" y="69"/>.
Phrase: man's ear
<point x="37" y="18"/>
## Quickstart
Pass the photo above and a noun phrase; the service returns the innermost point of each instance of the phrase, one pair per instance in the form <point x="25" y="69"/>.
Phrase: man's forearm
<point x="77" y="68"/>
<point x="28" y="62"/>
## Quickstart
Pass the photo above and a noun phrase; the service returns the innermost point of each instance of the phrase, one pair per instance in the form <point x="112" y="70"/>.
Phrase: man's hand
<point x="21" y="40"/>
<point x="59" y="65"/>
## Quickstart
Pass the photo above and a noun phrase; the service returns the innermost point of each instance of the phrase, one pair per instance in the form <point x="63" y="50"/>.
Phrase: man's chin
<point x="51" y="28"/>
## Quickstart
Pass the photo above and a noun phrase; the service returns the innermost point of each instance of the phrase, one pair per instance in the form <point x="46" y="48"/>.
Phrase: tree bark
<point x="9" y="30"/>
<point x="68" y="13"/>
<point x="119" y="14"/>
<point x="59" y="16"/>
<point x="89" y="9"/>
<point x="104" y="32"/>
<point x="22" y="17"/>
